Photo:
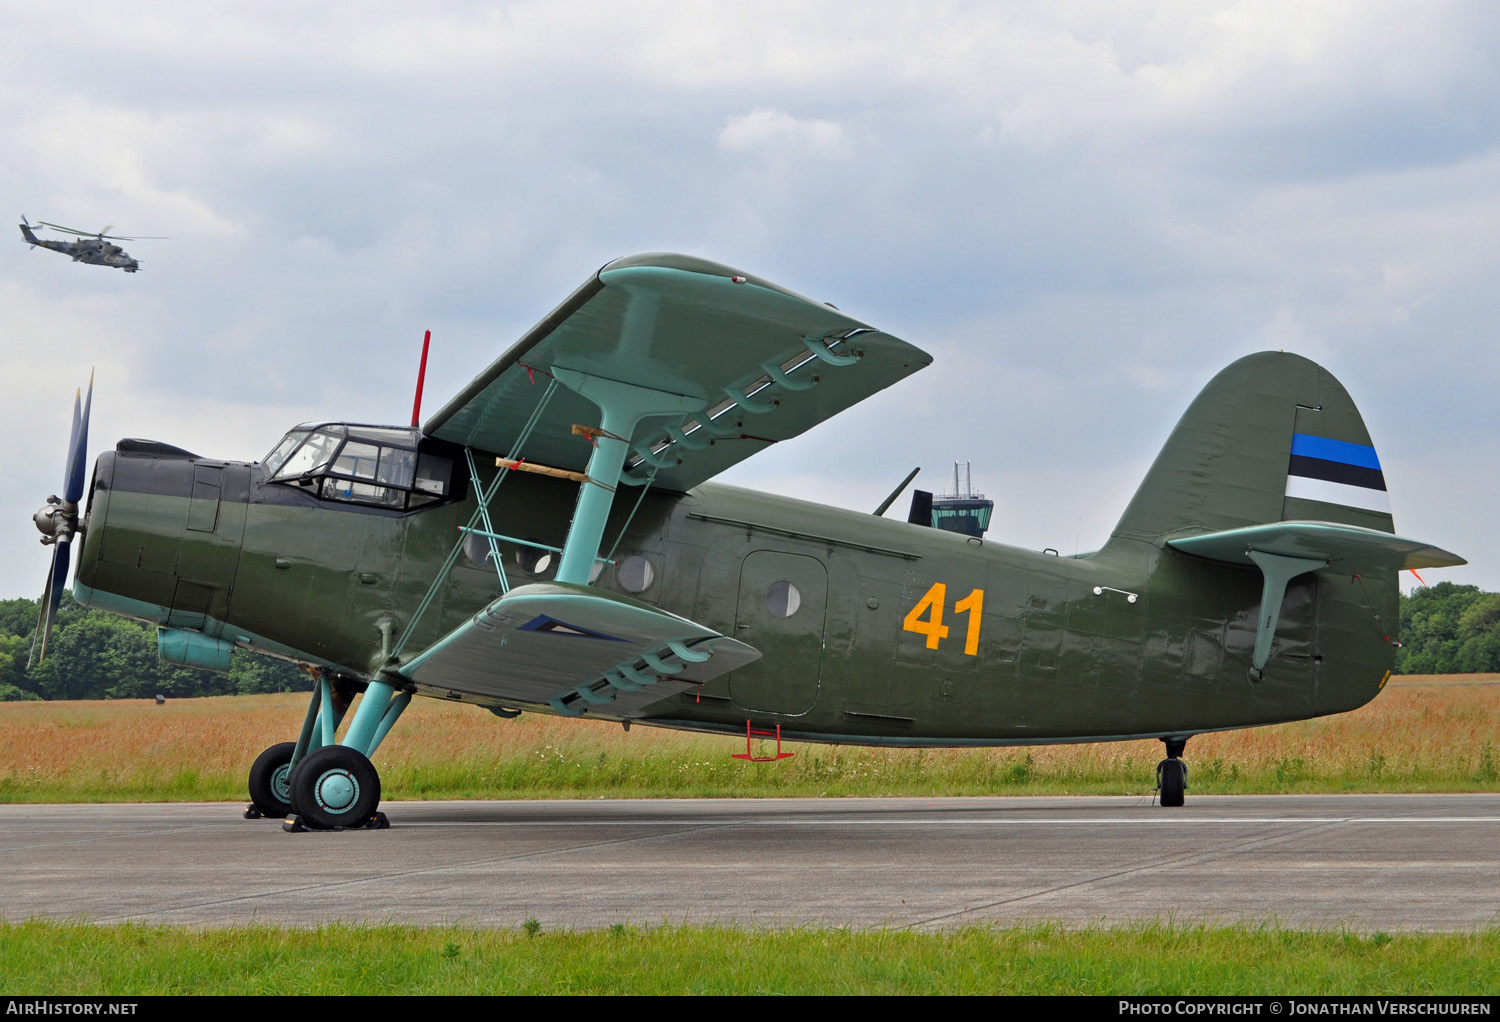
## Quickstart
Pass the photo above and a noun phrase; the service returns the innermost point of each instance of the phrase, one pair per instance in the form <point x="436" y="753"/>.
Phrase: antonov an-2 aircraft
<point x="551" y="541"/>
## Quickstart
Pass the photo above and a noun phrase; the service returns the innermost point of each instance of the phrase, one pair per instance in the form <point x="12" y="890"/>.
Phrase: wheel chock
<point x="252" y="813"/>
<point x="293" y="825"/>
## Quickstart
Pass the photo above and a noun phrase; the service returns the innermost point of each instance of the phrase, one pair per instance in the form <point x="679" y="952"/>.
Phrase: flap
<point x="576" y="648"/>
<point x="1344" y="547"/>
<point x="762" y="363"/>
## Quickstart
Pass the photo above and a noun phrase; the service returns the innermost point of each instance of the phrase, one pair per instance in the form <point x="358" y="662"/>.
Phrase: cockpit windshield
<point x="374" y="465"/>
<point x="279" y="453"/>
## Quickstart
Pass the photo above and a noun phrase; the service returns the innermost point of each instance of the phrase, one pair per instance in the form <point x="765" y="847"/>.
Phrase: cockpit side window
<point x="434" y="479"/>
<point x="357" y="460"/>
<point x="397" y="467"/>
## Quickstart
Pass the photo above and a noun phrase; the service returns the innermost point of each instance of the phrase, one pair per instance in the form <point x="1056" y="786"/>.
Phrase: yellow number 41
<point x="932" y="605"/>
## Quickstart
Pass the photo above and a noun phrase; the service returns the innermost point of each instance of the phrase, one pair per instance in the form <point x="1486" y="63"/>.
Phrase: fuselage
<point x="871" y="630"/>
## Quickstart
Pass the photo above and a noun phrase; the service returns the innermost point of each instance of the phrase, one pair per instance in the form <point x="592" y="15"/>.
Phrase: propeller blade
<point x="57" y="579"/>
<point x="41" y="620"/>
<point x="78" y="448"/>
<point x="105" y="231"/>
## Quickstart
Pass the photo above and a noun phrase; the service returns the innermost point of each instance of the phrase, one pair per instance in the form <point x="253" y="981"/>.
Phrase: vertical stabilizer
<point x="1273" y="437"/>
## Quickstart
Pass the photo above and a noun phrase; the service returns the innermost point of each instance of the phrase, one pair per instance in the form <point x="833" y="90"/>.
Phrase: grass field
<point x="1144" y="960"/>
<point x="1423" y="734"/>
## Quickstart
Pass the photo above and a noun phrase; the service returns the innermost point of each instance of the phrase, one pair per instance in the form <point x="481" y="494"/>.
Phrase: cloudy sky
<point x="1082" y="210"/>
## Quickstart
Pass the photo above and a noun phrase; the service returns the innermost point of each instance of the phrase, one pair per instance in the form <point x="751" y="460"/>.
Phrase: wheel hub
<point x="337" y="790"/>
<point x="281" y="783"/>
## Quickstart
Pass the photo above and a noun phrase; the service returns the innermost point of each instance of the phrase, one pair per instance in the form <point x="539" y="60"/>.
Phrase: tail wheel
<point x="1171" y="780"/>
<point x="335" y="786"/>
<point x="271" y="780"/>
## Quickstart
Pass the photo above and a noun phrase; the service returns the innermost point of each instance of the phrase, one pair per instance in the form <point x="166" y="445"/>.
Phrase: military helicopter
<point x="94" y="248"/>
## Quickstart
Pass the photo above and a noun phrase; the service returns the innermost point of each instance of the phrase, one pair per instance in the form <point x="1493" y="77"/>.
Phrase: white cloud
<point x="777" y="134"/>
<point x="1084" y="210"/>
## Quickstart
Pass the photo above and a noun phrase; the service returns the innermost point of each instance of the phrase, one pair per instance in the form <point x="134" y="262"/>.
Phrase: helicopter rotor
<point x="101" y="234"/>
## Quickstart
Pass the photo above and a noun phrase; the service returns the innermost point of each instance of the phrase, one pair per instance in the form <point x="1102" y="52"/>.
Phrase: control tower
<point x="962" y="511"/>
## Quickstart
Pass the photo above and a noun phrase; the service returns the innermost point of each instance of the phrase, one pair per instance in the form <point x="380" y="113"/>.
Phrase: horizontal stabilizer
<point x="575" y="648"/>
<point x="1342" y="547"/>
<point x="1284" y="550"/>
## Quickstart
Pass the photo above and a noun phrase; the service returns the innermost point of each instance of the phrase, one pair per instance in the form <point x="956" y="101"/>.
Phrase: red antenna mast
<point x="416" y="407"/>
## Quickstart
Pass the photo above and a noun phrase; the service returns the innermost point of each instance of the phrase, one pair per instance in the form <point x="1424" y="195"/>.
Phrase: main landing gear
<point x="317" y="784"/>
<point x="1171" y="773"/>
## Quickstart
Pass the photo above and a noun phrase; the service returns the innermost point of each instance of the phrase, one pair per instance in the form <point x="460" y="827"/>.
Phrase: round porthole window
<point x="635" y="574"/>
<point x="783" y="599"/>
<point x="477" y="549"/>
<point x="532" y="560"/>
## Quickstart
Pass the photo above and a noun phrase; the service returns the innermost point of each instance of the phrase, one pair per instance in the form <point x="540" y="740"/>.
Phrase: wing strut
<point x="623" y="406"/>
<point x="483" y="497"/>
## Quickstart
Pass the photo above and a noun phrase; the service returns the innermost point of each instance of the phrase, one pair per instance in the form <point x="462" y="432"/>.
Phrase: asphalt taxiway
<point x="1367" y="862"/>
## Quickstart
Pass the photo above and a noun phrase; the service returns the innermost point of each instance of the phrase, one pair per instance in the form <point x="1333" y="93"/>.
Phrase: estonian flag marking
<point x="1336" y="472"/>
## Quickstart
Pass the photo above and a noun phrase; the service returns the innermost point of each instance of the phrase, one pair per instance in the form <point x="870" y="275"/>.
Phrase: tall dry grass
<point x="1421" y="734"/>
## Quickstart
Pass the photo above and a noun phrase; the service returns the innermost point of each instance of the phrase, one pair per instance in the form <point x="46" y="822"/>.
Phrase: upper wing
<point x="766" y="363"/>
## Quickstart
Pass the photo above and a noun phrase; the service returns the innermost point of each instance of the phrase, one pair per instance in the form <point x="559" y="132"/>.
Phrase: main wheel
<point x="271" y="780"/>
<point x="335" y="787"/>
<point x="1171" y="779"/>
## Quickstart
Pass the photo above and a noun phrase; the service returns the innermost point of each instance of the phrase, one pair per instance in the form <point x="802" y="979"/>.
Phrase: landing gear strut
<point x="1171" y="773"/>
<point x="316" y="783"/>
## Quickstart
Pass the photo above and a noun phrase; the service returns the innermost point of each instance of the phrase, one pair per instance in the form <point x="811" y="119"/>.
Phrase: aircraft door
<point x="781" y="611"/>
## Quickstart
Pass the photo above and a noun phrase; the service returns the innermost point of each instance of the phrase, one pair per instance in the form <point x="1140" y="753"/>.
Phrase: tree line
<point x="92" y="654"/>
<point x="1445" y="629"/>
<point x="1449" y="629"/>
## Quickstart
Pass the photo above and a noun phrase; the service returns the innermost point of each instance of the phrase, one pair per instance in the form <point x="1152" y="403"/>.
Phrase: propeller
<point x="58" y="523"/>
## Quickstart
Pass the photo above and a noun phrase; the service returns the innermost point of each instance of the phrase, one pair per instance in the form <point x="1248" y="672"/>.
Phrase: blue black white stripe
<point x="1336" y="472"/>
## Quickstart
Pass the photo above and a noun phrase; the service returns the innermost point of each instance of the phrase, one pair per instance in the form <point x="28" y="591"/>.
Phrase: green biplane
<point x="551" y="541"/>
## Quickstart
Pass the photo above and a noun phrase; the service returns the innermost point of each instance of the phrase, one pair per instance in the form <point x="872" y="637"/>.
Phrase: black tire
<point x="270" y="780"/>
<point x="335" y="787"/>
<point x="1171" y="780"/>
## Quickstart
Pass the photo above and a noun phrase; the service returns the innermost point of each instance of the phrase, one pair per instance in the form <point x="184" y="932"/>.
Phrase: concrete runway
<point x="1368" y="862"/>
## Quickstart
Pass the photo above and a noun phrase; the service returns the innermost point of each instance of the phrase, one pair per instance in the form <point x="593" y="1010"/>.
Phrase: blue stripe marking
<point x="1345" y="453"/>
<point x="552" y="626"/>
